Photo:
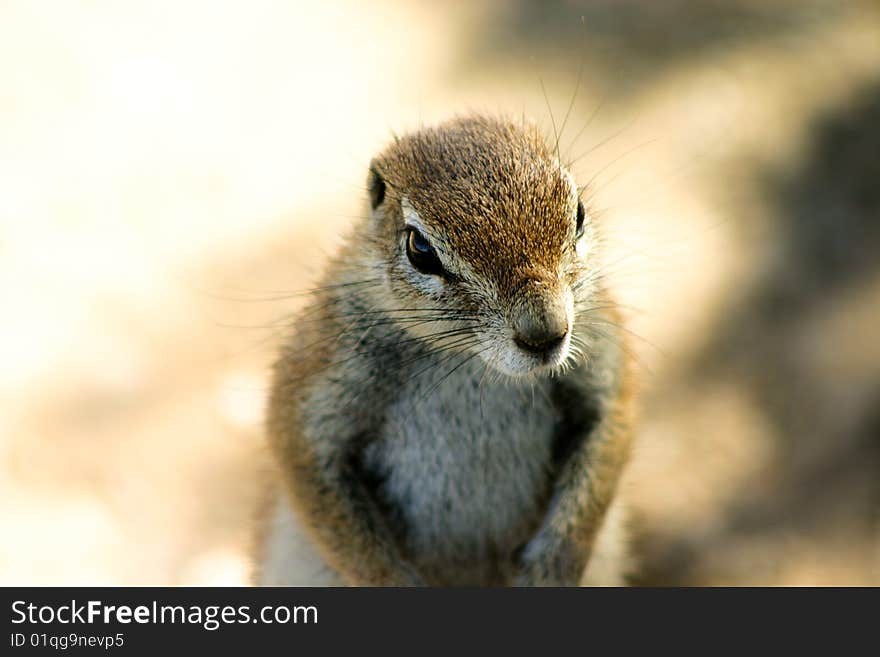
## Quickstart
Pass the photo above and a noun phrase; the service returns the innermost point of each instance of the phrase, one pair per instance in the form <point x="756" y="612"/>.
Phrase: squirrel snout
<point x="540" y="327"/>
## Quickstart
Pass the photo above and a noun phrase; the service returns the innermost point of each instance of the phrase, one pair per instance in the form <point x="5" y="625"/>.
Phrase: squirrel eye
<point x="421" y="254"/>
<point x="579" y="227"/>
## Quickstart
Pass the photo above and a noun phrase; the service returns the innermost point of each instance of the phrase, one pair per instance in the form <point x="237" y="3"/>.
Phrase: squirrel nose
<point x="540" y="333"/>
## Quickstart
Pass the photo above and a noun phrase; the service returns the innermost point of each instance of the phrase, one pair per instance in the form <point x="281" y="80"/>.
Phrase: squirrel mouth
<point x="546" y="348"/>
<point x="546" y="351"/>
<point x="554" y="356"/>
<point x="523" y="361"/>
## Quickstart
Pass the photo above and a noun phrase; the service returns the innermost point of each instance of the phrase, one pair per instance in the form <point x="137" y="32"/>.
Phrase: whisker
<point x="577" y="86"/>
<point x="467" y="359"/>
<point x="633" y="334"/>
<point x="626" y="153"/>
<point x="552" y="119"/>
<point x="282" y="295"/>
<point x="603" y="142"/>
<point x="624" y="347"/>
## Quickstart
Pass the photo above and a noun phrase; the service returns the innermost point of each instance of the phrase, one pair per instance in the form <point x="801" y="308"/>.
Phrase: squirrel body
<point x="454" y="407"/>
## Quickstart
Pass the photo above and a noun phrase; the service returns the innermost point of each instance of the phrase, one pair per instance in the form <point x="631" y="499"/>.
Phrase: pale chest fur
<point x="464" y="468"/>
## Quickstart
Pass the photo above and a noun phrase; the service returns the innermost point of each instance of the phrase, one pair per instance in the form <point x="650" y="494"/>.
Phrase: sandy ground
<point x="171" y="174"/>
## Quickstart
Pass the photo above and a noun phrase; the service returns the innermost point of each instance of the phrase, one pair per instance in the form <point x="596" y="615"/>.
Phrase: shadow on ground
<point x="802" y="345"/>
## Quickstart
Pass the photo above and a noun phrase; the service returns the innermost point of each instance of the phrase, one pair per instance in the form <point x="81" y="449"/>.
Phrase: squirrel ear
<point x="376" y="187"/>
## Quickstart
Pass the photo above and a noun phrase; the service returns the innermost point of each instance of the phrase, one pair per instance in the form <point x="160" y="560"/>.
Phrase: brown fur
<point x="498" y="208"/>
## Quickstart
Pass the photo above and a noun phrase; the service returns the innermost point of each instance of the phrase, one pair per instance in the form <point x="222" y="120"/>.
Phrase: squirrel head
<point x="484" y="243"/>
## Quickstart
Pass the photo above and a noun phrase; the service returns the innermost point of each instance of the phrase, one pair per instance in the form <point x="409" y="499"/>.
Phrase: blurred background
<point x="171" y="173"/>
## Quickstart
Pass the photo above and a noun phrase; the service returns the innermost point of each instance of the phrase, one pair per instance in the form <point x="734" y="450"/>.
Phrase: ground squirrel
<point x="454" y="407"/>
